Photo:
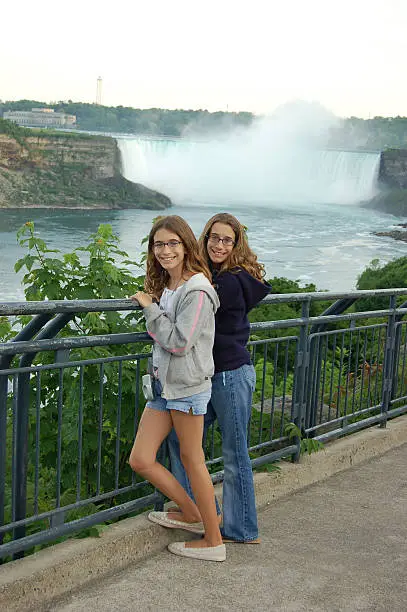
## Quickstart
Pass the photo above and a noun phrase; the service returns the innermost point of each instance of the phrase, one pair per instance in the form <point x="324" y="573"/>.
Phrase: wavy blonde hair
<point x="156" y="277"/>
<point x="241" y="255"/>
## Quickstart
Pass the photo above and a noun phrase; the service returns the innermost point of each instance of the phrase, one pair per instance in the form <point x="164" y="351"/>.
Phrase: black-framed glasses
<point x="215" y="239"/>
<point x="171" y="244"/>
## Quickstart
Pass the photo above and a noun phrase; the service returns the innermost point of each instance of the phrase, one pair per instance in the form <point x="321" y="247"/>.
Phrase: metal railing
<point x="69" y="408"/>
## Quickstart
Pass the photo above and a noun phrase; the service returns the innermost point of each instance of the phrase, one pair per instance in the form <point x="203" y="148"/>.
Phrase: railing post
<point x="25" y="334"/>
<point x="3" y="441"/>
<point x="388" y="363"/>
<point x="20" y="459"/>
<point x="301" y="367"/>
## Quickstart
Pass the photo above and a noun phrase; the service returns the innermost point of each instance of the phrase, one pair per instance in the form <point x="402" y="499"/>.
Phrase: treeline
<point x="14" y="131"/>
<point x="152" y="121"/>
<point x="377" y="133"/>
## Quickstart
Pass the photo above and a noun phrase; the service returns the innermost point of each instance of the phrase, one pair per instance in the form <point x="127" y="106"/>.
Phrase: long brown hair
<point x="241" y="255"/>
<point x="156" y="277"/>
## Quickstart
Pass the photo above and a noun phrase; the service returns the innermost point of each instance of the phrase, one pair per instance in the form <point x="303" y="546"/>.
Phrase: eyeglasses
<point x="215" y="239"/>
<point x="171" y="244"/>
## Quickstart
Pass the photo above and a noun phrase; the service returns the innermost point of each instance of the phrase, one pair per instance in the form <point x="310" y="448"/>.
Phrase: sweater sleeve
<point x="179" y="336"/>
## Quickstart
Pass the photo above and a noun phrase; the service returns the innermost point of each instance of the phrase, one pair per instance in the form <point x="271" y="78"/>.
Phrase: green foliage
<point x="275" y="384"/>
<point x="5" y="329"/>
<point x="67" y="277"/>
<point x="99" y="270"/>
<point x="307" y="445"/>
<point x="14" y="131"/>
<point x="268" y="467"/>
<point x="386" y="276"/>
<point x="280" y="284"/>
<point x="278" y="312"/>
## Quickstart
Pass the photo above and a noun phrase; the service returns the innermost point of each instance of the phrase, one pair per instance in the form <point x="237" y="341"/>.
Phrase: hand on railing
<point x="142" y="298"/>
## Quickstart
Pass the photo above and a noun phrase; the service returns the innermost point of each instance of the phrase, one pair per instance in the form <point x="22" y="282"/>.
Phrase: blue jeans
<point x="231" y="403"/>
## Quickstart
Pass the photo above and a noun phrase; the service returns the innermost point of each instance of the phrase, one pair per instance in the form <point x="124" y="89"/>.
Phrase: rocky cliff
<point x="392" y="195"/>
<point x="393" y="168"/>
<point x="64" y="170"/>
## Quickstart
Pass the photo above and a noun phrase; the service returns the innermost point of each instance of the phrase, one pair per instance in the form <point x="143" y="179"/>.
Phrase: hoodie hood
<point x="199" y="282"/>
<point x="253" y="289"/>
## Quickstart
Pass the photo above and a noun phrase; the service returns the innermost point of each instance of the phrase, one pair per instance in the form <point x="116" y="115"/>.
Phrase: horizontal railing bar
<point x="274" y="456"/>
<point x="77" y="306"/>
<point x="395" y="412"/>
<point x="216" y="460"/>
<point x="74" y="364"/>
<point x="384" y="416"/>
<point x="319" y="296"/>
<point x="59" y="306"/>
<point x="337" y="433"/>
<point x="253" y="449"/>
<point x="398" y="399"/>
<point x="258" y="461"/>
<point x="284" y="323"/>
<point x="76" y="525"/>
<point x="34" y="518"/>
<point x="272" y="340"/>
<point x="34" y="346"/>
<point x="343" y="418"/>
<point x="263" y="445"/>
<point x="347" y="330"/>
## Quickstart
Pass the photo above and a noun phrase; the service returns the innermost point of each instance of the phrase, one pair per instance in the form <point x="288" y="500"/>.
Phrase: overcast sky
<point x="349" y="55"/>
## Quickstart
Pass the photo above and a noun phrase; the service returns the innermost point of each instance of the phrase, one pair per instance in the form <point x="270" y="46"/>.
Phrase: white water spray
<point x="280" y="159"/>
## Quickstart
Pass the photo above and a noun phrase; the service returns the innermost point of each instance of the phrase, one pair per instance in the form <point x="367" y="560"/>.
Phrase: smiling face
<point x="170" y="257"/>
<point x="218" y="252"/>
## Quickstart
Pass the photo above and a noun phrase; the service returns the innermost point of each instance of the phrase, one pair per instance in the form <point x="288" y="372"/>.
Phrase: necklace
<point x="176" y="286"/>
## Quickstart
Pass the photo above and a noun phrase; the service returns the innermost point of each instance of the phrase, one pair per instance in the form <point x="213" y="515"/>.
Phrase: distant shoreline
<point x="64" y="207"/>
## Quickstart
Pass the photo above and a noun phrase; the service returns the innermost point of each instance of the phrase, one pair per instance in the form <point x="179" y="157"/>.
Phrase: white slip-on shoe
<point x="162" y="519"/>
<point x="210" y="553"/>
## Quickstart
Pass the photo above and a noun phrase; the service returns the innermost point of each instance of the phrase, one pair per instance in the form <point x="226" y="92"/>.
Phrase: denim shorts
<point x="195" y="404"/>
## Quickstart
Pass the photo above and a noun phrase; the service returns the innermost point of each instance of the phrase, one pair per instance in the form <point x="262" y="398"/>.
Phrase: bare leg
<point x="189" y="429"/>
<point x="153" y="429"/>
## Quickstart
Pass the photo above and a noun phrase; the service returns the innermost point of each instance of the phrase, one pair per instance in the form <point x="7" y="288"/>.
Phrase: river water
<point x="326" y="244"/>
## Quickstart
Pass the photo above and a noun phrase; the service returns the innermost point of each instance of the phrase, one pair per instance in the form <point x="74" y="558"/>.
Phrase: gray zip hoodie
<point x="184" y="338"/>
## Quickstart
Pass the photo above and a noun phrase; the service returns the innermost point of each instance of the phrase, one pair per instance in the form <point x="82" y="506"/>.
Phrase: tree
<point x="386" y="276"/>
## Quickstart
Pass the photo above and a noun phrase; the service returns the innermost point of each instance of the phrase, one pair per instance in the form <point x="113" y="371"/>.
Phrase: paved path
<point x="337" y="545"/>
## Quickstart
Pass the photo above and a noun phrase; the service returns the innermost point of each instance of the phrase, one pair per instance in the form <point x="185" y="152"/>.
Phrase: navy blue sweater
<point x="238" y="293"/>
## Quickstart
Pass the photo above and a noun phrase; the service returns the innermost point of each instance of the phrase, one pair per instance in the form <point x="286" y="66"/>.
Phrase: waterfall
<point x="242" y="171"/>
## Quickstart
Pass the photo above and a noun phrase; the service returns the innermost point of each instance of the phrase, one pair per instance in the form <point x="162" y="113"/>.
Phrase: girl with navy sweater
<point x="238" y="279"/>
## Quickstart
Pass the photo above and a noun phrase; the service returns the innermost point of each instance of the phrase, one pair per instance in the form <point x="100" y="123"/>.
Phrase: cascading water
<point x="242" y="171"/>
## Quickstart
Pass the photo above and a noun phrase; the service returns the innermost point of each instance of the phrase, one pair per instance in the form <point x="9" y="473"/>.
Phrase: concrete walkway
<point x="340" y="544"/>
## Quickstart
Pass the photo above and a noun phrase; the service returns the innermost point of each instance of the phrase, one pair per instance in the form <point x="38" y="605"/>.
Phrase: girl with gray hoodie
<point x="182" y="326"/>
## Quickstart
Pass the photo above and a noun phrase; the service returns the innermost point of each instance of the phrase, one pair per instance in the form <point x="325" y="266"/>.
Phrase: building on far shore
<point x="40" y="117"/>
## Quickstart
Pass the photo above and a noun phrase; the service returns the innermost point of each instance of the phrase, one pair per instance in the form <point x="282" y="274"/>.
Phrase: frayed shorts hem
<point x="194" y="404"/>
